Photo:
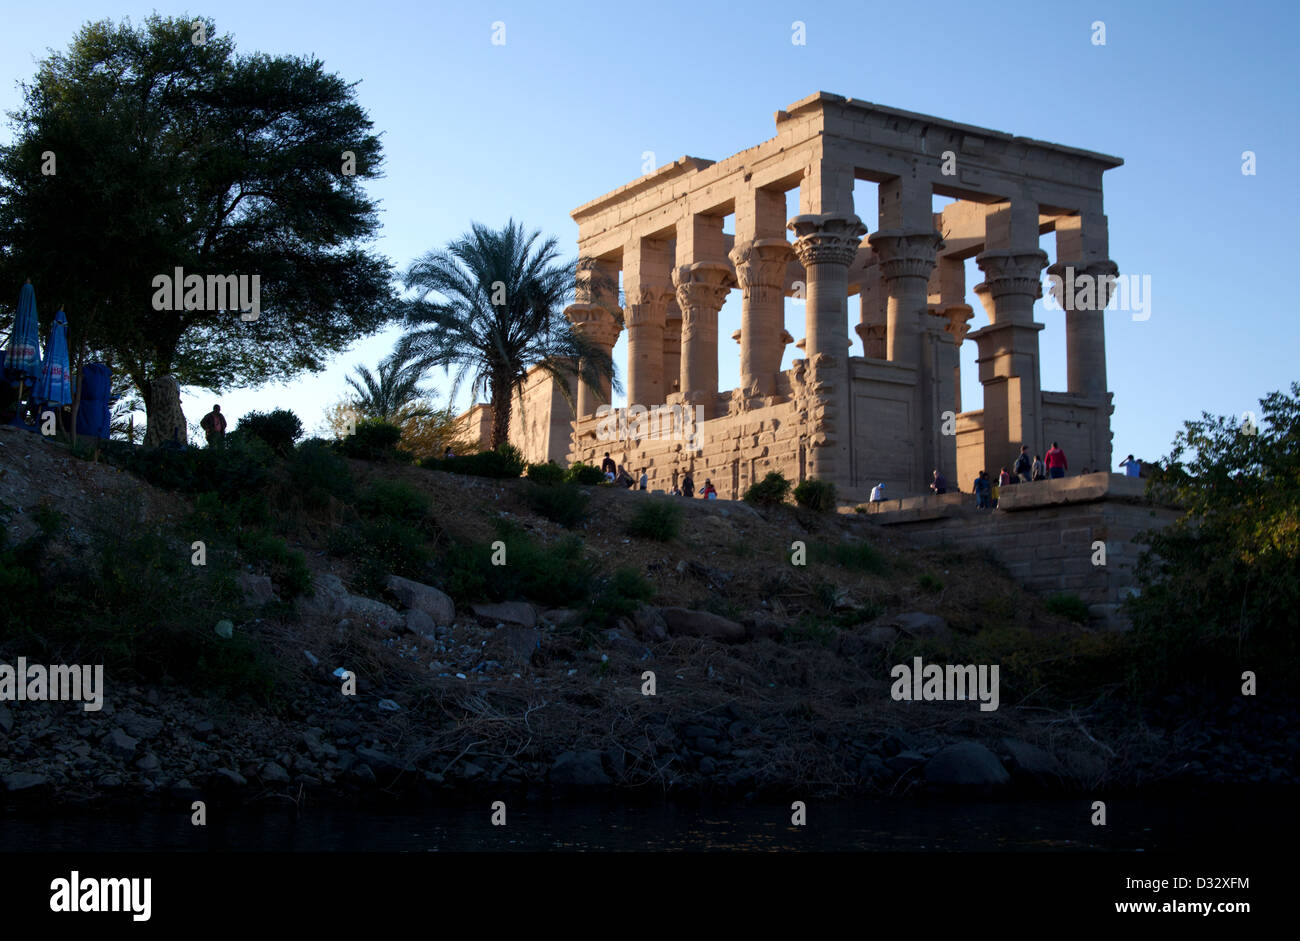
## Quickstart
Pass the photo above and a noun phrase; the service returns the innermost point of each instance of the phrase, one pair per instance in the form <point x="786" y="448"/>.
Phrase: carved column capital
<point x="595" y="323"/>
<point x="647" y="305"/>
<point x="701" y="289"/>
<point x="958" y="317"/>
<point x="761" y="266"/>
<point x="906" y="254"/>
<point x="826" y="238"/>
<point x="1010" y="273"/>
<point x="1080" y="285"/>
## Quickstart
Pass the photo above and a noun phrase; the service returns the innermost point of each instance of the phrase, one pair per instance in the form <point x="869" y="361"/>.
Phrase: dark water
<point x="1054" y="826"/>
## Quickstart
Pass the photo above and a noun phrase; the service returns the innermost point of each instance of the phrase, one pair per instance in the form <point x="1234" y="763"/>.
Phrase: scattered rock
<point x="257" y="589"/>
<point x="24" y="781"/>
<point x="559" y="617"/>
<point x="421" y="623"/>
<point x="684" y="622"/>
<point x="418" y="597"/>
<point x="918" y="624"/>
<point x="966" y="764"/>
<point x="225" y="629"/>
<point x="139" y="726"/>
<point x="521" y="641"/>
<point x="6" y="720"/>
<point x="578" y="770"/>
<point x="275" y="773"/>
<point x="1032" y="761"/>
<point x="149" y="762"/>
<point x="374" y="612"/>
<point x="330" y="599"/>
<point x="227" y="776"/>
<point x="649" y="623"/>
<point x="120" y="743"/>
<point x="507" y="612"/>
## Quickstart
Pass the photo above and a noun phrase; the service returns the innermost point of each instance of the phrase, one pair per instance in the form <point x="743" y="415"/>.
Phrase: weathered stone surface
<point x="275" y="773"/>
<point x="916" y="623"/>
<point x="24" y="781"/>
<point x="374" y="612"/>
<point x="138" y="726"/>
<point x="649" y="623"/>
<point x="1032" y="761"/>
<point x="966" y="764"/>
<point x="507" y="612"/>
<point x="426" y="598"/>
<point x="120" y="743"/>
<point x="578" y="770"/>
<point x="684" y="622"/>
<point x="420" y="622"/>
<point x="330" y="599"/>
<point x="257" y="589"/>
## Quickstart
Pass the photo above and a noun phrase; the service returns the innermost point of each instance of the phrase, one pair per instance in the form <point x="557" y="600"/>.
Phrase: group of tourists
<point x="1026" y="469"/>
<point x="616" y="474"/>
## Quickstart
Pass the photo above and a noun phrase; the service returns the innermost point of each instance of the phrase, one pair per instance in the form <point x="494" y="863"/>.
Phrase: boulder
<point x="521" y="641"/>
<point x="257" y="589"/>
<point x="920" y="624"/>
<point x="421" y="622"/>
<point x="374" y="612"/>
<point x="330" y="599"/>
<point x="559" y="617"/>
<point x="684" y="622"/>
<point x="139" y="726"/>
<point x="274" y="773"/>
<point x="966" y="764"/>
<point x="426" y="598"/>
<point x="579" y="770"/>
<point x="1032" y="762"/>
<point x="762" y="625"/>
<point x="649" y="623"/>
<point x="120" y="743"/>
<point x="507" y="612"/>
<point x="23" y="781"/>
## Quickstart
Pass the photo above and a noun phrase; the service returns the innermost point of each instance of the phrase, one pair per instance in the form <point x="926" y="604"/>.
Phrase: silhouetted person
<point x="1132" y="468"/>
<point x="214" y="427"/>
<point x="1024" y="466"/>
<point x="608" y="466"/>
<point x="939" y="484"/>
<point x="688" y="485"/>
<point x="983" y="491"/>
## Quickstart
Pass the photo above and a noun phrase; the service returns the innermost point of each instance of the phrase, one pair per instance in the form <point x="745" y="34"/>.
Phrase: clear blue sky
<point x="565" y="109"/>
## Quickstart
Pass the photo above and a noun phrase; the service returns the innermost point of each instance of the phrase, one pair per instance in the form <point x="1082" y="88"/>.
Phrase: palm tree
<point x="489" y="308"/>
<point x="392" y="393"/>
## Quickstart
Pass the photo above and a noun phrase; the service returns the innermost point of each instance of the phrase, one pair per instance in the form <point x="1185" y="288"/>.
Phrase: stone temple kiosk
<point x="880" y="401"/>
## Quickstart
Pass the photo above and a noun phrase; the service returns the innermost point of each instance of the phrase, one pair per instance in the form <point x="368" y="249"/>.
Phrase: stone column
<point x="906" y="261"/>
<point x="760" y="271"/>
<point x="701" y="290"/>
<point x="826" y="244"/>
<point x="672" y="347"/>
<point x="597" y="325"/>
<point x="872" y="324"/>
<point x="958" y="317"/>
<point x="645" y="318"/>
<point x="1008" y="354"/>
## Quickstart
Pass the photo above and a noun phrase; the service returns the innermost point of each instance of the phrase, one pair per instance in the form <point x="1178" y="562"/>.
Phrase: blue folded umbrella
<point x="22" y="352"/>
<point x="55" y="384"/>
<point x="94" y="416"/>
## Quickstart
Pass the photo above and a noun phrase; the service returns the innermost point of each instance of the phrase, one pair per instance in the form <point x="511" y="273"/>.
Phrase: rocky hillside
<point x="770" y="678"/>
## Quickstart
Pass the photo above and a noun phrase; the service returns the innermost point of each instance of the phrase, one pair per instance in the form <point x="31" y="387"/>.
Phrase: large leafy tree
<point x="141" y="150"/>
<point x="1221" y="586"/>
<point x="489" y="308"/>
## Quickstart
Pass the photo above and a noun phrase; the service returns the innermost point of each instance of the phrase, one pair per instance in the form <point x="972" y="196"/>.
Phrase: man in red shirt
<point x="1055" y="460"/>
<point x="214" y="427"/>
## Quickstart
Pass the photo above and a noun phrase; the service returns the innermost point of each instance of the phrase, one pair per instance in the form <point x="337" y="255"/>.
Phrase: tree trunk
<point x="500" y="414"/>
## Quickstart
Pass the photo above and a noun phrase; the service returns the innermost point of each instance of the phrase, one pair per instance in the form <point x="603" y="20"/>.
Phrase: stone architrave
<point x="701" y="291"/>
<point x="760" y="270"/>
<point x="597" y="325"/>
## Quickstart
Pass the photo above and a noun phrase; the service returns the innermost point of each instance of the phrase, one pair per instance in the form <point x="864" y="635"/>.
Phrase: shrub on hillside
<point x="393" y="498"/>
<point x="241" y="467"/>
<point x="277" y="429"/>
<point x="656" y="519"/>
<point x="556" y="573"/>
<point x="1069" y="606"/>
<point x="504" y="462"/>
<point x="816" y="495"/>
<point x="373" y="440"/>
<point x="563" y="503"/>
<point x="770" y="491"/>
<point x="318" y="473"/>
<point x="546" y="474"/>
<point x="584" y="474"/>
<point x="286" y="567"/>
<point x="619" y="596"/>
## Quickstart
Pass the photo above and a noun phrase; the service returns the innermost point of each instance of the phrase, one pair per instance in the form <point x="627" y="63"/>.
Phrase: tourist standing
<point x="1040" y="469"/>
<point x="878" y="492"/>
<point x="1055" y="460"/>
<point x="608" y="467"/>
<point x="983" y="491"/>
<point x="214" y="427"/>
<point x="645" y="480"/>
<point x="688" y="486"/>
<point x="939" y="484"/>
<point x="1132" y="468"/>
<point x="1023" y="466"/>
<point x="708" y="491"/>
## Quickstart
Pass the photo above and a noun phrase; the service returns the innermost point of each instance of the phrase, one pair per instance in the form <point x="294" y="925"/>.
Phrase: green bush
<point x="584" y="474"/>
<point x="816" y="495"/>
<point x="318" y="473"/>
<point x="286" y="567"/>
<point x="555" y="573"/>
<point x="620" y="594"/>
<point x="277" y="429"/>
<point x="563" y="503"/>
<point x="857" y="556"/>
<point x="546" y="474"/>
<point x="372" y="440"/>
<point x="656" y="519"/>
<point x="504" y="462"/>
<point x="770" y="491"/>
<point x="241" y="467"/>
<point x="393" y="498"/>
<point x="929" y="583"/>
<point x="1069" y="606"/>
<point x="381" y="547"/>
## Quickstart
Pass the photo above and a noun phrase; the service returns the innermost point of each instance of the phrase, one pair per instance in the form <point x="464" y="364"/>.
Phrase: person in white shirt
<point x="878" y="492"/>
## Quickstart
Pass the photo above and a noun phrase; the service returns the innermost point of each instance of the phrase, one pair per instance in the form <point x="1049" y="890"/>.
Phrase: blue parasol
<point x="22" y="359"/>
<point x="55" y="384"/>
